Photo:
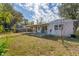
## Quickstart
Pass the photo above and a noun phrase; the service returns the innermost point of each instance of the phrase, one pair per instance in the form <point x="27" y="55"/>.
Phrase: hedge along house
<point x="57" y="28"/>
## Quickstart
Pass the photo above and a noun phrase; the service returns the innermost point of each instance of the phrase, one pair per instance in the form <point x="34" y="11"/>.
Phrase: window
<point x="60" y="26"/>
<point x="56" y="27"/>
<point x="50" y="30"/>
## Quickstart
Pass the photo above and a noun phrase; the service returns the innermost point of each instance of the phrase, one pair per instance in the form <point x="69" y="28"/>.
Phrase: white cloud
<point x="28" y="6"/>
<point x="45" y="6"/>
<point x="38" y="11"/>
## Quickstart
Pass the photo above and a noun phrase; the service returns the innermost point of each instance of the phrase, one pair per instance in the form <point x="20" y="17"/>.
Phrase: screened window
<point x="60" y="26"/>
<point x="56" y="27"/>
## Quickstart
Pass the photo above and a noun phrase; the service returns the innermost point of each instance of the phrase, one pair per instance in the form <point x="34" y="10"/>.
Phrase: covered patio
<point x="37" y="29"/>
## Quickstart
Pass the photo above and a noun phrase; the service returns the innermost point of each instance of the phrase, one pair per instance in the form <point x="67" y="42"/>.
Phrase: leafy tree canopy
<point x="70" y="11"/>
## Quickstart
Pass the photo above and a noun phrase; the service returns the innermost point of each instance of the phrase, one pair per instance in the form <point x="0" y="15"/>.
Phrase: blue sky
<point x="26" y="13"/>
<point x="33" y="11"/>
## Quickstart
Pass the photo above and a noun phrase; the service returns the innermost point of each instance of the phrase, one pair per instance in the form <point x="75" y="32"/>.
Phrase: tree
<point x="70" y="11"/>
<point x="25" y="21"/>
<point x="17" y="15"/>
<point x="9" y="16"/>
<point x="41" y="20"/>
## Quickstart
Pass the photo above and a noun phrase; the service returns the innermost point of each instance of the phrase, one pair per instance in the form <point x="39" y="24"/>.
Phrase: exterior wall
<point x="50" y="27"/>
<point x="34" y="30"/>
<point x="38" y="29"/>
<point x="67" y="29"/>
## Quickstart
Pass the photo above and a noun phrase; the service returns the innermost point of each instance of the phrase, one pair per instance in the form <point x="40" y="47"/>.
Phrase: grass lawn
<point x="31" y="45"/>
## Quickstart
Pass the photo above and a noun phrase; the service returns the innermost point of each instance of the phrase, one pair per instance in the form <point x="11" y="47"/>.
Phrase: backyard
<point x="24" y="44"/>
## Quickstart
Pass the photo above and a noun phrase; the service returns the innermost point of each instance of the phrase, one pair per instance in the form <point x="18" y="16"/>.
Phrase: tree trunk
<point x="76" y="24"/>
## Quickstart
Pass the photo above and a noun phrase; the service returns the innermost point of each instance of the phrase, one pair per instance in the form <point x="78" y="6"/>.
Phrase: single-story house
<point x="58" y="27"/>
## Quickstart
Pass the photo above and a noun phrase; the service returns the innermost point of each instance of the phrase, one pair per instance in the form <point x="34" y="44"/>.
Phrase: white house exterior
<point x="57" y="27"/>
<point x="60" y="28"/>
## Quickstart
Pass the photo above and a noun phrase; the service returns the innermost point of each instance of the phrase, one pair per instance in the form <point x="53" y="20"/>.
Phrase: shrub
<point x="73" y="35"/>
<point x="1" y="28"/>
<point x="3" y="46"/>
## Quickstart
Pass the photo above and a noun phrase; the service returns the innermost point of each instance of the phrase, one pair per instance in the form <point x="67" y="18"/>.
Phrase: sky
<point x="36" y="11"/>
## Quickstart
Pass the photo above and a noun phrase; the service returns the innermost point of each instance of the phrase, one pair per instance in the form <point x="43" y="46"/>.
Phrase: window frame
<point x="55" y="27"/>
<point x="58" y="27"/>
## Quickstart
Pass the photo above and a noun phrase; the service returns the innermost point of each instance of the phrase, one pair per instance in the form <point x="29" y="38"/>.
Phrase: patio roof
<point x="35" y="25"/>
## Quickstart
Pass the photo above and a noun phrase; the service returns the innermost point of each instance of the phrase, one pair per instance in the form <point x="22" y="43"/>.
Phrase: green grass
<point x="30" y="45"/>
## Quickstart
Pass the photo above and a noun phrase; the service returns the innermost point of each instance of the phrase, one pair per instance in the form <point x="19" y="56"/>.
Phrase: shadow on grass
<point x="68" y="46"/>
<point x="49" y="37"/>
<point x="55" y="38"/>
<point x="76" y="40"/>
